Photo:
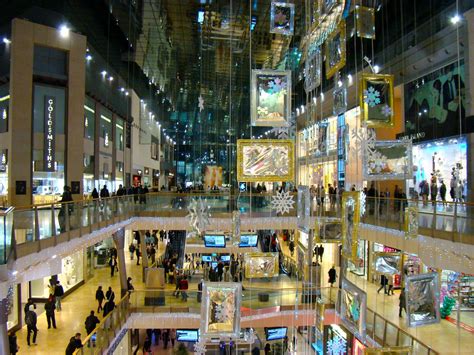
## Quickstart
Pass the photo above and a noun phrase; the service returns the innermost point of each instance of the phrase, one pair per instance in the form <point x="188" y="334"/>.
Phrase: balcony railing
<point x="31" y="229"/>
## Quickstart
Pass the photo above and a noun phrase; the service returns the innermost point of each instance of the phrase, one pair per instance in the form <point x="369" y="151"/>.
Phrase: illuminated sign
<point x="49" y="132"/>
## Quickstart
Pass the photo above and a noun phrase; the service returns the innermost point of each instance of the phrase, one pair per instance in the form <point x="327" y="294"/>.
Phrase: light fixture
<point x="314" y="100"/>
<point x="302" y="108"/>
<point x="126" y="93"/>
<point x="455" y="19"/>
<point x="322" y="97"/>
<point x="349" y="79"/>
<point x="6" y="40"/>
<point x="122" y="89"/>
<point x="88" y="57"/>
<point x="376" y="69"/>
<point x="103" y="73"/>
<point x="111" y="78"/>
<point x="339" y="83"/>
<point x="64" y="31"/>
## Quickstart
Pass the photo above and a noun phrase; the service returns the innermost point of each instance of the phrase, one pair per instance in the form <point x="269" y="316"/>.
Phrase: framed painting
<point x="220" y="309"/>
<point x="339" y="104"/>
<point x="303" y="208"/>
<point x="328" y="5"/>
<point x="271" y="98"/>
<point x="350" y="223"/>
<point x="353" y="308"/>
<point x="336" y="50"/>
<point x="388" y="263"/>
<point x="265" y="160"/>
<point x="411" y="222"/>
<point x="328" y="231"/>
<point x="376" y="100"/>
<point x="282" y="18"/>
<point x="422" y="299"/>
<point x="394" y="350"/>
<point x="388" y="160"/>
<point x="365" y="22"/>
<point x="312" y="70"/>
<point x="260" y="265"/>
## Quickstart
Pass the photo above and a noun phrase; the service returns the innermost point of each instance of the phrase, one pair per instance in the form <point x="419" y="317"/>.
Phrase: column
<point x="119" y="241"/>
<point x="4" y="344"/>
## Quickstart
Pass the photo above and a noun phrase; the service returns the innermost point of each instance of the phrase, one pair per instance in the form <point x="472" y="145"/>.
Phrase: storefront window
<point x="49" y="142"/>
<point x="119" y="135"/>
<point x="89" y="119"/>
<point x="105" y="127"/>
<point x="4" y="105"/>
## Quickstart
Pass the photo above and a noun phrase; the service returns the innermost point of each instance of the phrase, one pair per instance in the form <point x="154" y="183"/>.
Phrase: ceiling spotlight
<point x="122" y="89"/>
<point x="103" y="72"/>
<point x="126" y="93"/>
<point x="111" y="78"/>
<point x="339" y="83"/>
<point x="455" y="19"/>
<point x="6" y="40"/>
<point x="376" y="68"/>
<point x="64" y="31"/>
<point x="88" y="57"/>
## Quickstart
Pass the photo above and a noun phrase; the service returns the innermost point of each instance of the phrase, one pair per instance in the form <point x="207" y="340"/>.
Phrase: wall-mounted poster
<point x="422" y="299"/>
<point x="258" y="265"/>
<point x="350" y="223"/>
<point x="271" y="98"/>
<point x="336" y="50"/>
<point x="388" y="160"/>
<point x="435" y="104"/>
<point x="212" y="176"/>
<point x="303" y="208"/>
<point x="388" y="263"/>
<point x="353" y="308"/>
<point x="328" y="231"/>
<point x="220" y="309"/>
<point x="265" y="160"/>
<point x="312" y="70"/>
<point x="365" y="22"/>
<point x="411" y="222"/>
<point x="376" y="99"/>
<point x="282" y="18"/>
<point x="393" y="350"/>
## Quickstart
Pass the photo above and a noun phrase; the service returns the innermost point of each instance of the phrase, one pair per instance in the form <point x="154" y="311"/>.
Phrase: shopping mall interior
<point x="252" y="177"/>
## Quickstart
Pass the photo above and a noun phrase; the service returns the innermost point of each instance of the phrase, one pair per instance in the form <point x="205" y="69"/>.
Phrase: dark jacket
<point x="58" y="291"/>
<point x="108" y="307"/>
<point x="91" y="323"/>
<point x="30" y="318"/>
<point x="99" y="295"/>
<point x="49" y="307"/>
<point x="73" y="345"/>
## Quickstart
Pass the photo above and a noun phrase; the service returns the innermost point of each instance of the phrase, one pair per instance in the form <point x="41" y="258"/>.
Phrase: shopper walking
<point x="402" y="304"/>
<point x="129" y="285"/>
<point x="12" y="342"/>
<point x="172" y="337"/>
<point x="49" y="307"/>
<point x="131" y="249"/>
<point x="390" y="285"/>
<point x="31" y="320"/>
<point x="109" y="306"/>
<point x="58" y="294"/>
<point x="183" y="288"/>
<point x="166" y="338"/>
<point x="332" y="275"/>
<point x="91" y="322"/>
<point x="383" y="284"/>
<point x="74" y="344"/>
<point x="99" y="296"/>
<point x="113" y="265"/>
<point x="110" y="295"/>
<point x="95" y="194"/>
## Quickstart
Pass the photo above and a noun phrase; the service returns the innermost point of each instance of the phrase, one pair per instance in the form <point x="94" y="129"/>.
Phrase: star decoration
<point x="282" y="202"/>
<point x="201" y="103"/>
<point x="371" y="96"/>
<point x="198" y="214"/>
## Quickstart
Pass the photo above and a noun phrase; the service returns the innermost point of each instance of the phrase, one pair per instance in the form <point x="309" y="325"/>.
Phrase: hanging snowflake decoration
<point x="198" y="214"/>
<point x="282" y="202"/>
<point x="201" y="103"/>
<point x="386" y="111"/>
<point x="364" y="140"/>
<point x="362" y="204"/>
<point x="200" y="348"/>
<point x="285" y="132"/>
<point x="336" y="346"/>
<point x="371" y="96"/>
<point x="221" y="314"/>
<point x="250" y="336"/>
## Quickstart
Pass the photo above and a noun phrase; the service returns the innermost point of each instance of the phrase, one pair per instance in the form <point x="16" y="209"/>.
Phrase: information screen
<point x="225" y="258"/>
<point x="187" y="335"/>
<point x="207" y="258"/>
<point x="248" y="240"/>
<point x="214" y="241"/>
<point x="276" y="333"/>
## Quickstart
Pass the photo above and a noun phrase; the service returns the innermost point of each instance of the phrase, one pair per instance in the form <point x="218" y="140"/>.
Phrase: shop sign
<point x="49" y="132"/>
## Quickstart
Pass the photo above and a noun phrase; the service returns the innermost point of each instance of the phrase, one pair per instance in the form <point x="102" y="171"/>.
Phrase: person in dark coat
<point x="58" y="294"/>
<point x="74" y="344"/>
<point x="66" y="208"/>
<point x="95" y="194"/>
<point x="99" y="296"/>
<point x="110" y="295"/>
<point x="49" y="307"/>
<point x="129" y="284"/>
<point x="332" y="275"/>
<point x="383" y="284"/>
<point x="108" y="307"/>
<point x="91" y="322"/>
<point x="12" y="342"/>
<point x="104" y="193"/>
<point x="31" y="320"/>
<point x="402" y="304"/>
<point x="166" y="338"/>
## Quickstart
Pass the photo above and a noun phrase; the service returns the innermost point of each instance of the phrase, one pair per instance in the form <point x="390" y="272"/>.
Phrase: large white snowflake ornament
<point x="220" y="314"/>
<point x="200" y="348"/>
<point x="201" y="103"/>
<point x="386" y="111"/>
<point x="336" y="346"/>
<point x="371" y="96"/>
<point x="362" y="204"/>
<point x="198" y="214"/>
<point x="282" y="202"/>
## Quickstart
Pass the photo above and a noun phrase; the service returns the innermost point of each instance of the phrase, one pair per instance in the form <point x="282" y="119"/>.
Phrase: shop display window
<point x="89" y="119"/>
<point x="119" y="134"/>
<point x="106" y="127"/>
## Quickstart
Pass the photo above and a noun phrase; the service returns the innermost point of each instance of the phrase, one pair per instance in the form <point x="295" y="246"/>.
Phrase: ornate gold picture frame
<point x="376" y="100"/>
<point x="365" y="22"/>
<point x="394" y="350"/>
<point x="350" y="223"/>
<point x="261" y="265"/>
<point x="265" y="160"/>
<point x="336" y="50"/>
<point x="411" y="222"/>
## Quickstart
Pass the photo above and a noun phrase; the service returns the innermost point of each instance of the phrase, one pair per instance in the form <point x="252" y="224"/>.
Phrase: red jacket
<point x="183" y="284"/>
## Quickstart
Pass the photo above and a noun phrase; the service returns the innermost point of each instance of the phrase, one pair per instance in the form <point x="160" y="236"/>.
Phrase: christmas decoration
<point x="200" y="348"/>
<point x="386" y="111"/>
<point x="198" y="214"/>
<point x="282" y="202"/>
<point x="371" y="96"/>
<point x="363" y="199"/>
<point x="201" y="103"/>
<point x="336" y="346"/>
<point x="448" y="304"/>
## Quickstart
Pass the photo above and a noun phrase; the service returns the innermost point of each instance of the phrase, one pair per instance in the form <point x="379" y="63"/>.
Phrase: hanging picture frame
<point x="328" y="231"/>
<point x="411" y="222"/>
<point x="353" y="308"/>
<point x="393" y="350"/>
<point x="350" y="223"/>
<point x="422" y="299"/>
<point x="336" y="50"/>
<point x="388" y="263"/>
<point x="303" y="208"/>
<point x="376" y="100"/>
<point x="220" y="309"/>
<point x="265" y="160"/>
<point x="282" y="18"/>
<point x="261" y="265"/>
<point x="312" y="70"/>
<point x="365" y="22"/>
<point x="339" y="95"/>
<point x="271" y="98"/>
<point x="387" y="160"/>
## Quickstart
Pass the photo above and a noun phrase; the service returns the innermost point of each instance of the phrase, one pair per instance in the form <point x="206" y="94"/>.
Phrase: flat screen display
<point x="248" y="240"/>
<point x="225" y="258"/>
<point x="207" y="258"/>
<point x="276" y="333"/>
<point x="214" y="264"/>
<point x="187" y="335"/>
<point x="214" y="241"/>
